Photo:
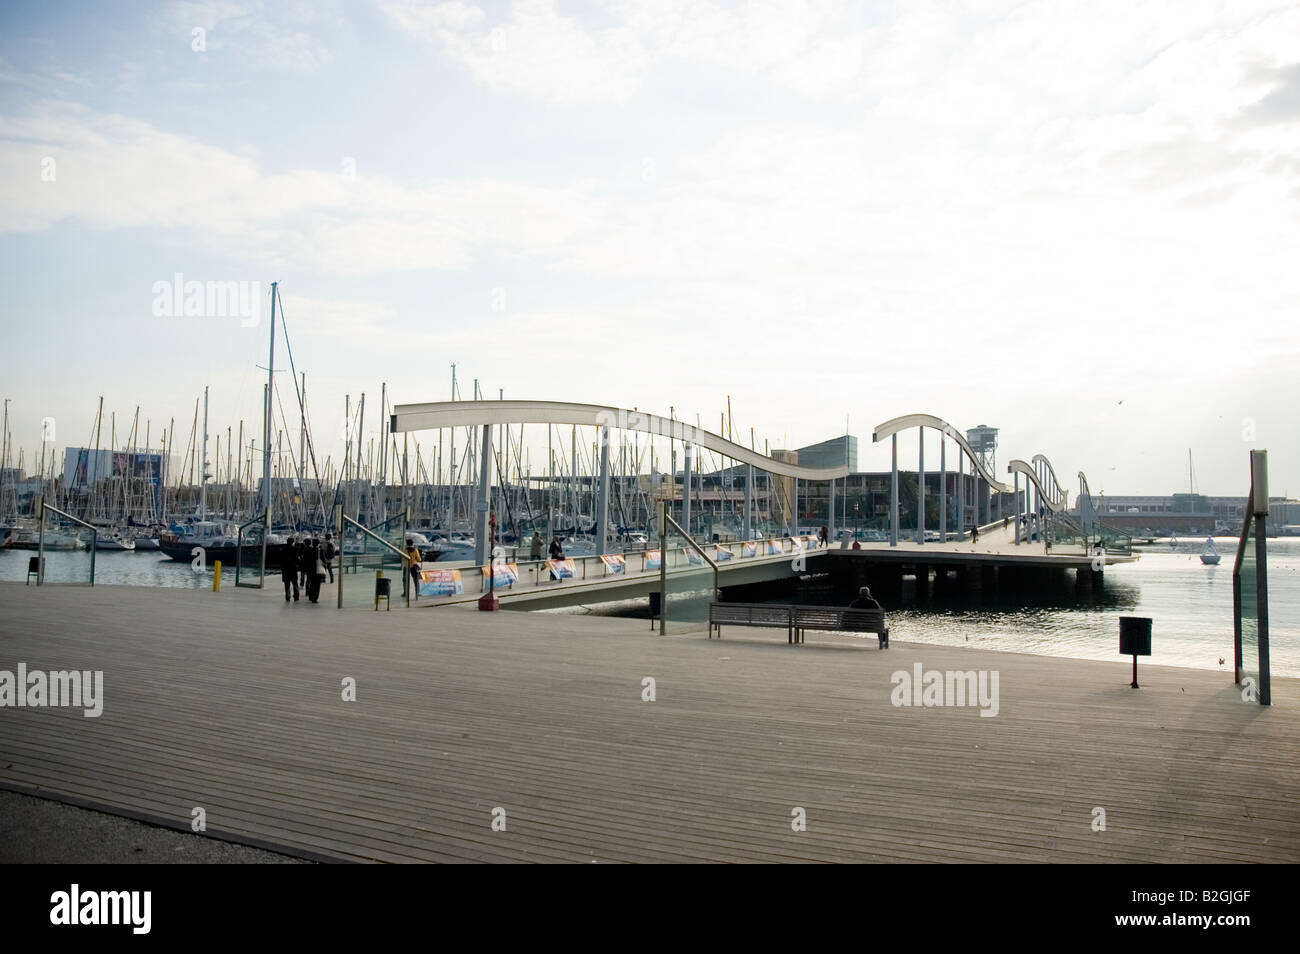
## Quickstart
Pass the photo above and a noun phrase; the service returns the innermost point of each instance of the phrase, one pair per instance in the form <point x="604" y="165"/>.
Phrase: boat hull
<point x="183" y="552"/>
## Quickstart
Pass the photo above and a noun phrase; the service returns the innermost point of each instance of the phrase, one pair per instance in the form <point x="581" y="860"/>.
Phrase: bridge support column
<point x="1015" y="483"/>
<point x="794" y="508"/>
<point x="686" y="495"/>
<point x="830" y="518"/>
<point x="749" y="501"/>
<point x="923" y="583"/>
<point x="989" y="578"/>
<point x="961" y="492"/>
<point x="893" y="494"/>
<point x="943" y="489"/>
<point x="920" y="487"/>
<point x="482" y="543"/>
<point x="602" y="512"/>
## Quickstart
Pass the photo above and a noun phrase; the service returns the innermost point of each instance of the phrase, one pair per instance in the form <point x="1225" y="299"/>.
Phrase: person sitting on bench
<point x="864" y="600"/>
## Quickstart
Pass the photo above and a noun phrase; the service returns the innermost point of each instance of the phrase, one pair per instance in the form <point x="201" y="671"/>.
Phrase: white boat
<point x="113" y="540"/>
<point x="1209" y="555"/>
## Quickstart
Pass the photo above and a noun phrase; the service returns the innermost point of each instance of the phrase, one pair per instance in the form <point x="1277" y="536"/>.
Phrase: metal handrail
<point x="406" y="560"/>
<point x="40" y="542"/>
<point x="239" y="552"/>
<point x="667" y="523"/>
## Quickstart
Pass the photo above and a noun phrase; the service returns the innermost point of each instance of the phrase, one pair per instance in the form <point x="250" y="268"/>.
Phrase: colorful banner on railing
<point x="692" y="556"/>
<point x="653" y="560"/>
<point x="507" y="574"/>
<point x="614" y="563"/>
<point x="441" y="583"/>
<point x="724" y="554"/>
<point x="561" y="569"/>
<point x="749" y="549"/>
<point x="774" y="547"/>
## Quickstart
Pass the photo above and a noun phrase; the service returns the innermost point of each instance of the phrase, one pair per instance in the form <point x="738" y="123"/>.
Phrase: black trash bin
<point x="1135" y="640"/>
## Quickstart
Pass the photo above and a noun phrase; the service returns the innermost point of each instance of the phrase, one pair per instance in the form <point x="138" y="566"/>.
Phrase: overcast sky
<point x="1074" y="221"/>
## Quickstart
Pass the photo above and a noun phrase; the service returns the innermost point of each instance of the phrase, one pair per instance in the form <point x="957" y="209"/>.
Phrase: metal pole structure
<point x="361" y="429"/>
<point x="893" y="493"/>
<point x="686" y="490"/>
<point x="749" y="501"/>
<point x="794" y="509"/>
<point x="602" y="514"/>
<point x="482" y="545"/>
<point x="920" y="487"/>
<point x="961" y="492"/>
<point x="1015" y="494"/>
<point x="266" y="432"/>
<point x="203" y="467"/>
<point x="40" y="553"/>
<point x="550" y="487"/>
<point x="943" y="488"/>
<point x="383" y="451"/>
<point x="302" y="437"/>
<point x="830" y="509"/>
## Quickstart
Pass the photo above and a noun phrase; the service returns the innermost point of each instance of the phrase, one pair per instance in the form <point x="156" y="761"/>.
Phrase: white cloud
<point x="534" y="51"/>
<point x="115" y="172"/>
<point x="269" y="36"/>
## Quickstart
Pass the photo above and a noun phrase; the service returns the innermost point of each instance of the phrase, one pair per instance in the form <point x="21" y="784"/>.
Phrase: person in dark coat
<point x="289" y="568"/>
<point x="864" y="600"/>
<point x="556" y="549"/>
<point x="312" y="556"/>
<point x="329" y="552"/>
<point x="303" y="566"/>
<point x="535" y="550"/>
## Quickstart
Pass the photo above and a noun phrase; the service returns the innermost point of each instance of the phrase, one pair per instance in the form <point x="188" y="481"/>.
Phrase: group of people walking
<point x="555" y="551"/>
<point x="305" y="564"/>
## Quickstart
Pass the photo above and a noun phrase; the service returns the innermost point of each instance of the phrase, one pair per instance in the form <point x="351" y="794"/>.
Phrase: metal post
<point x="830" y="509"/>
<point x="961" y="492"/>
<point x="1261" y="611"/>
<point x="749" y="500"/>
<point x="943" y="488"/>
<point x="893" y="493"/>
<point x="338" y="535"/>
<point x="602" y="515"/>
<point x="1015" y="483"/>
<point x="40" y="554"/>
<point x="920" y="487"/>
<point x="482" y="551"/>
<point x="794" y="509"/>
<point x="686" y="489"/>
<point x="266" y="434"/>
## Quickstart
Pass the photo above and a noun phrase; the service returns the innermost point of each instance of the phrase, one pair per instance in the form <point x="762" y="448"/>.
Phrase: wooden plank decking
<point x="232" y="702"/>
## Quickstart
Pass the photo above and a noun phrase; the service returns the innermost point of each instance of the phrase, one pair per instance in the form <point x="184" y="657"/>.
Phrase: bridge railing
<point x="643" y="562"/>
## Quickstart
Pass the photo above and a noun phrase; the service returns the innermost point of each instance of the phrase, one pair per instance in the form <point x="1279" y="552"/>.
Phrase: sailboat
<point x="1209" y="555"/>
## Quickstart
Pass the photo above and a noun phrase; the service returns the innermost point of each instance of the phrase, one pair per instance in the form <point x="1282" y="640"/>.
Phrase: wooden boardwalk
<point x="232" y="702"/>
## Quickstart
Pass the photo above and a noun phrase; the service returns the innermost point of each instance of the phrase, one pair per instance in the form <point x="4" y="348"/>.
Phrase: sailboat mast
<point x="90" y="482"/>
<point x="203" y="463"/>
<point x="266" y="424"/>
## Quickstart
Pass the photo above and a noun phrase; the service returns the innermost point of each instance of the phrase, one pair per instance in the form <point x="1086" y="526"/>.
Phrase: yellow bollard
<point x="216" y="577"/>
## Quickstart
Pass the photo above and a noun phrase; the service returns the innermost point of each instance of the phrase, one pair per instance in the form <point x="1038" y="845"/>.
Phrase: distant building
<point x="837" y="452"/>
<point x="85" y="466"/>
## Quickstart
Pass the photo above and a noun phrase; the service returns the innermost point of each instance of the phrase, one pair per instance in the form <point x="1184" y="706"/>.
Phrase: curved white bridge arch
<point x="892" y="428"/>
<point x="487" y="414"/>
<point x="421" y="417"/>
<point x="1055" y="489"/>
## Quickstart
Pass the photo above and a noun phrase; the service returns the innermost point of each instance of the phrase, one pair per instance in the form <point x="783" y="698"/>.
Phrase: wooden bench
<point x="770" y="615"/>
<point x="839" y="619"/>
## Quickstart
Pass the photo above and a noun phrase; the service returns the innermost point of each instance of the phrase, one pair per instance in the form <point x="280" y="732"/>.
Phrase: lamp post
<point x="488" y="602"/>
